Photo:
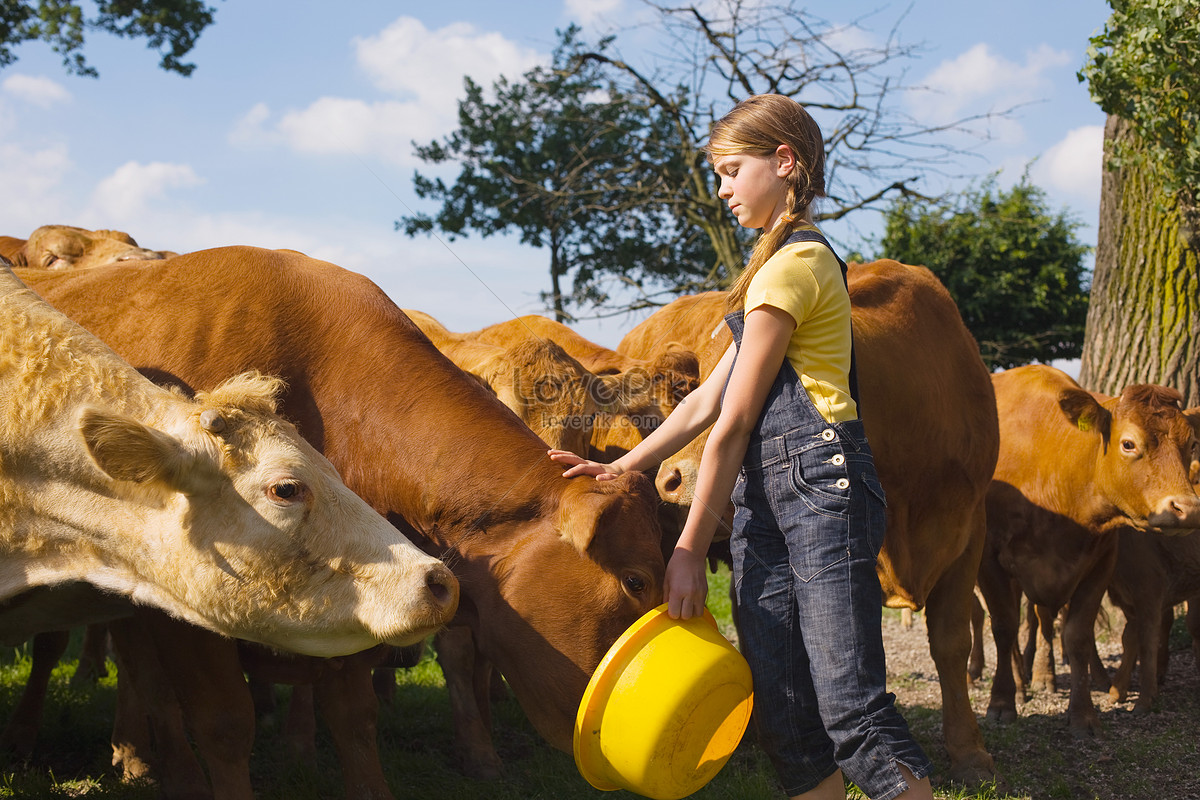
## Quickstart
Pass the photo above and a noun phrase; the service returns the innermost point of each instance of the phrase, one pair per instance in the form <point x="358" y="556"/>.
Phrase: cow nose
<point x="670" y="484"/>
<point x="443" y="589"/>
<point x="1180" y="511"/>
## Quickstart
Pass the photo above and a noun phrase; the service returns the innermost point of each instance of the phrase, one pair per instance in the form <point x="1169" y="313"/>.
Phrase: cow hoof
<point x="1085" y="729"/>
<point x="1143" y="706"/>
<point x="1002" y="715"/>
<point x="482" y="768"/>
<point x="975" y="770"/>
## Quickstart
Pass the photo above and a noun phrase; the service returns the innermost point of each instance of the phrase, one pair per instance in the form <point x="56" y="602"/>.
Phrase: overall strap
<point x="807" y="235"/>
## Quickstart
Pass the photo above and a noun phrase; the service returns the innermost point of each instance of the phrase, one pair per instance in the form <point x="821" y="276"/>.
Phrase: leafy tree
<point x="1143" y="69"/>
<point x="710" y="56"/>
<point x="1015" y="270"/>
<point x="562" y="157"/>
<point x="170" y="26"/>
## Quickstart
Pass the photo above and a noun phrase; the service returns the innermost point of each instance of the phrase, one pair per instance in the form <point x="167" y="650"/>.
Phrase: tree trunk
<point x="1144" y="313"/>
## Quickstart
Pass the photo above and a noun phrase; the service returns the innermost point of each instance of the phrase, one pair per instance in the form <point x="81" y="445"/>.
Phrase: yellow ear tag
<point x="1084" y="424"/>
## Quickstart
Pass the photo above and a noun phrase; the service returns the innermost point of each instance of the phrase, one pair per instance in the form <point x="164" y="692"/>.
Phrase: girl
<point x="788" y="446"/>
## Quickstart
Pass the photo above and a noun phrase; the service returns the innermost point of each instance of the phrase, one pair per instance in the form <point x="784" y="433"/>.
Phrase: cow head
<point x="61" y="247"/>
<point x="1147" y="447"/>
<point x="567" y="590"/>
<point x="549" y="390"/>
<point x="275" y="548"/>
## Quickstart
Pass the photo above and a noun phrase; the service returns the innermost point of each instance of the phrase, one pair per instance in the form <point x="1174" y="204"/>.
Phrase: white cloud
<point x="38" y="91"/>
<point x="126" y="193"/>
<point x="33" y="187"/>
<point x="1072" y="167"/>
<point x="409" y="60"/>
<point x="980" y="80"/>
<point x="591" y="12"/>
<point x="339" y="125"/>
<point x="424" y="69"/>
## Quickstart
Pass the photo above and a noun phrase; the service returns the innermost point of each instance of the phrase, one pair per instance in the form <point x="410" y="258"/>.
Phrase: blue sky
<point x="295" y="129"/>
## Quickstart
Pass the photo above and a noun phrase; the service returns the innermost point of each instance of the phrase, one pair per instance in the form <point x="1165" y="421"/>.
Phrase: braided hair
<point x="758" y="126"/>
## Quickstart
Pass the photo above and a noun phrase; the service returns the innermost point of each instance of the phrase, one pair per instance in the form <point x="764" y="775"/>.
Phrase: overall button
<point x="828" y="434"/>
<point x="843" y="483"/>
<point x="838" y="459"/>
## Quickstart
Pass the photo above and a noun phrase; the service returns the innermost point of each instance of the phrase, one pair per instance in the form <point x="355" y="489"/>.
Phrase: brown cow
<point x="60" y="247"/>
<point x="1153" y="574"/>
<point x="549" y="390"/>
<point x="1074" y="468"/>
<point x="213" y="510"/>
<point x="930" y="415"/>
<point x="552" y="571"/>
<point x="636" y="394"/>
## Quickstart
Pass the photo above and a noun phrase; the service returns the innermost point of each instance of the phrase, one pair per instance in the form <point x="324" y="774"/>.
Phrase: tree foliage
<point x="702" y="60"/>
<point x="1015" y="270"/>
<point x="710" y="56"/>
<point x="170" y="26"/>
<point x="574" y="166"/>
<point x="1144" y="66"/>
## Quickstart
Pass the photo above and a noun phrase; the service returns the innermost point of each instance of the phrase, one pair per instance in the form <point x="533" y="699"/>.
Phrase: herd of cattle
<point x="389" y="481"/>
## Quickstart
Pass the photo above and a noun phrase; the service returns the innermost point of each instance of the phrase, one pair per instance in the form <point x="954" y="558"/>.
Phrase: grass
<point x="1157" y="760"/>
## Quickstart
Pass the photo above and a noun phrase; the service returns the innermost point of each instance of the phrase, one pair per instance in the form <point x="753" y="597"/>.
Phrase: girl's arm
<point x="764" y="346"/>
<point x="693" y="414"/>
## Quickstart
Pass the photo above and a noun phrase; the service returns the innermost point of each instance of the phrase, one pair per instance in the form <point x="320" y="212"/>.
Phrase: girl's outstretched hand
<point x="579" y="465"/>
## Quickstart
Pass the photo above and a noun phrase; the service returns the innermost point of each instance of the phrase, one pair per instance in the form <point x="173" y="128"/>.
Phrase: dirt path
<point x="1152" y="756"/>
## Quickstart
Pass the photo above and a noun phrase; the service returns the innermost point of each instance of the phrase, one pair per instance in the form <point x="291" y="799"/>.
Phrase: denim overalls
<point x="809" y="519"/>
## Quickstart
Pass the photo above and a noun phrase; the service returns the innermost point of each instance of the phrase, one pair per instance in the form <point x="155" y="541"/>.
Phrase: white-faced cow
<point x="551" y="571"/>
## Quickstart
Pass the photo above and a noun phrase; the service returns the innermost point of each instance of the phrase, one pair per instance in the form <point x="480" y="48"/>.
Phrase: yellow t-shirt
<point x="805" y="280"/>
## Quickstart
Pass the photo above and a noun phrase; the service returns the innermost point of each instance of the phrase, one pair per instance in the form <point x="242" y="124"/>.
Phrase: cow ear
<point x="127" y="450"/>
<point x="584" y="507"/>
<point x="1083" y="411"/>
<point x="1192" y="415"/>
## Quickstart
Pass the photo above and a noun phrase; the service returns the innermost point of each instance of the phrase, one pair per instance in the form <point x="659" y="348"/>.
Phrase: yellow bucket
<point x="665" y="709"/>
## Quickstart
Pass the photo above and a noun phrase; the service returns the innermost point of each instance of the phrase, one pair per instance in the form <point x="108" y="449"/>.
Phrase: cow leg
<point x="1079" y="640"/>
<point x="350" y="709"/>
<point x="20" y="734"/>
<point x="93" y="658"/>
<point x="300" y="728"/>
<point x="460" y="660"/>
<point x="148" y="709"/>
<point x="1164" y="641"/>
<point x="975" y="662"/>
<point x="216" y="700"/>
<point x="1041" y="636"/>
<point x="1193" y="626"/>
<point x="1029" y="635"/>
<point x="1131" y="646"/>
<point x="1003" y="598"/>
<point x="948" y="619"/>
<point x="1151" y="633"/>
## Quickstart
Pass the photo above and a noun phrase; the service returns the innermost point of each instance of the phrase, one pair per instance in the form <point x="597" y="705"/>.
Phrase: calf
<point x="1074" y="468"/>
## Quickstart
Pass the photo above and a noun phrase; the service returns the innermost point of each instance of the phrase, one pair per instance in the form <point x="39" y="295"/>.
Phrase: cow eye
<point x="635" y="584"/>
<point x="1128" y="446"/>
<point x="286" y="491"/>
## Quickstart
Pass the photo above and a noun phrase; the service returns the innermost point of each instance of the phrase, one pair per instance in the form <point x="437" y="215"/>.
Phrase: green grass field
<point x="415" y="737"/>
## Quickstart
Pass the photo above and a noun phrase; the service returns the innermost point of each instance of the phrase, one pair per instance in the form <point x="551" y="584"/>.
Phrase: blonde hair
<point x="758" y="126"/>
